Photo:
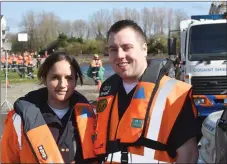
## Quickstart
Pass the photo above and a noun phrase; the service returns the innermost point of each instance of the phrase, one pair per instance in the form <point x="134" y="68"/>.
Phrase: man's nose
<point x="120" y="53"/>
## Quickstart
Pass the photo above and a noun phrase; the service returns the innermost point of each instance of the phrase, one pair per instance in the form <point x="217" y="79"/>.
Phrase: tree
<point x="117" y="15"/>
<point x="160" y="20"/>
<point x="179" y="16"/>
<point x="170" y="18"/>
<point x="147" y="21"/>
<point x="132" y="14"/>
<point x="79" y="28"/>
<point x="65" y="26"/>
<point x="41" y="28"/>
<point x="29" y="25"/>
<point x="100" y="23"/>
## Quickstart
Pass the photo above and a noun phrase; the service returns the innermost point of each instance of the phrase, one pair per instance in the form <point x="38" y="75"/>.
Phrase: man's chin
<point x="125" y="76"/>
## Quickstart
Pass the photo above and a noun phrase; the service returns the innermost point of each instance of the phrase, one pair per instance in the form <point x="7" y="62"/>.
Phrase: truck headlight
<point x="199" y="101"/>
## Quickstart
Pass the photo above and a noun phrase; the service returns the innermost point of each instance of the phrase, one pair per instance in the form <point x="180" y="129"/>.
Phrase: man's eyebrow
<point x="123" y="45"/>
<point x="127" y="44"/>
<point x="112" y="46"/>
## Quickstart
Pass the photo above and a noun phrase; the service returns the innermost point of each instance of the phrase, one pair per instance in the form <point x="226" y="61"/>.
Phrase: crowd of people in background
<point x="22" y="63"/>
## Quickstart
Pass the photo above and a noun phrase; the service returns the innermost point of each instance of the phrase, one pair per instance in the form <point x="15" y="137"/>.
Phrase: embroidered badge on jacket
<point x="101" y="105"/>
<point x="137" y="123"/>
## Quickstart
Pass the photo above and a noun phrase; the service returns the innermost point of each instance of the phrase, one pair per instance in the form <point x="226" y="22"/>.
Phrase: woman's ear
<point x="45" y="82"/>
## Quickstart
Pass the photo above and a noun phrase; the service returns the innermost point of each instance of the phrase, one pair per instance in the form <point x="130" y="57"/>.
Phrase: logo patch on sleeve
<point x="105" y="91"/>
<point x="102" y="104"/>
<point x="137" y="123"/>
<point x="42" y="152"/>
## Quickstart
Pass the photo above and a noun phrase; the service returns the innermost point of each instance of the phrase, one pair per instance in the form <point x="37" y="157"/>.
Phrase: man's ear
<point x="144" y="48"/>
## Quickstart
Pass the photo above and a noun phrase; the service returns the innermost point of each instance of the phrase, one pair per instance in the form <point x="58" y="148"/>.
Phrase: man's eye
<point x="127" y="48"/>
<point x="112" y="49"/>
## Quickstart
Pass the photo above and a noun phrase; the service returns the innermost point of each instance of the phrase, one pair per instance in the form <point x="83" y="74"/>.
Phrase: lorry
<point x="203" y="55"/>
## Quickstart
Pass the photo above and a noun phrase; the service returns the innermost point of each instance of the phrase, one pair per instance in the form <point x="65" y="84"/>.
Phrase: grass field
<point x="14" y="77"/>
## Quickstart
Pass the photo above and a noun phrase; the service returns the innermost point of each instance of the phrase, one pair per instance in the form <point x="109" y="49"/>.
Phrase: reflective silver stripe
<point x="158" y="109"/>
<point x="17" y="127"/>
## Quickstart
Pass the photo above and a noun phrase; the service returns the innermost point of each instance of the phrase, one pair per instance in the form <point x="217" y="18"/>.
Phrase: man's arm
<point x="183" y="135"/>
<point x="188" y="152"/>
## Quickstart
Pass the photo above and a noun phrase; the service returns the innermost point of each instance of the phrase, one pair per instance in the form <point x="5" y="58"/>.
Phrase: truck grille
<point x="209" y="85"/>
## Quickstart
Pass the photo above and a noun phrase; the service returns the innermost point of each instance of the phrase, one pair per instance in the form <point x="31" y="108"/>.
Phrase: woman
<point x="54" y="124"/>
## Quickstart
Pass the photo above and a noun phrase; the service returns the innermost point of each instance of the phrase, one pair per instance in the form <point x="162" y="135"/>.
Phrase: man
<point x="177" y="64"/>
<point x="38" y="61"/>
<point x="14" y="62"/>
<point x="30" y="66"/>
<point x="144" y="116"/>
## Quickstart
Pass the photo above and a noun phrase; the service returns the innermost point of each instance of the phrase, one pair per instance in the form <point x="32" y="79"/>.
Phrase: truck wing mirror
<point x="172" y="46"/>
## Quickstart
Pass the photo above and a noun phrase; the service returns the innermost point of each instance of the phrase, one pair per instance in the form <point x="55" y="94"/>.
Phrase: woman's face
<point x="60" y="82"/>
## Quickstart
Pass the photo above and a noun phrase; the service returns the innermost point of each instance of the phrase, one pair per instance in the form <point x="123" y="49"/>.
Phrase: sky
<point x="13" y="11"/>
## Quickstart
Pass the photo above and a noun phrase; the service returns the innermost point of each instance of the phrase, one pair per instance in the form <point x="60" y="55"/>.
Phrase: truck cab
<point x="203" y="54"/>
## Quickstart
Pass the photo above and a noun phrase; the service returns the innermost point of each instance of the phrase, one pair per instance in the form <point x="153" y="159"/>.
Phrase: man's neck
<point x="133" y="79"/>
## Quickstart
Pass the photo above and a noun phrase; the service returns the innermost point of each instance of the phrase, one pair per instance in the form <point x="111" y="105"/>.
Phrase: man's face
<point x="127" y="54"/>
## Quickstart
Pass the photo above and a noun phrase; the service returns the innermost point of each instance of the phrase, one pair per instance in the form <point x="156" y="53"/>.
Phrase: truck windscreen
<point x="208" y="42"/>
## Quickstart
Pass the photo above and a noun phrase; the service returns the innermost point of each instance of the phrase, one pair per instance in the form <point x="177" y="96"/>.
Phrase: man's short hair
<point x="122" y="24"/>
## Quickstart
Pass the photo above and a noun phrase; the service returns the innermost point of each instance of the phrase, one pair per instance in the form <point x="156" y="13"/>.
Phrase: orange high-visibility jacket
<point x="20" y="59"/>
<point x="143" y="129"/>
<point x="27" y="140"/>
<point x="96" y="63"/>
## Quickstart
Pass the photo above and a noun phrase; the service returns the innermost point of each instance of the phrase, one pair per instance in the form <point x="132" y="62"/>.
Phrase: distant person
<point x="30" y="67"/>
<point x="177" y="64"/>
<point x="21" y="66"/>
<point x="46" y="54"/>
<point x="38" y="61"/>
<point x="54" y="124"/>
<point x="95" y="66"/>
<point x="14" y="62"/>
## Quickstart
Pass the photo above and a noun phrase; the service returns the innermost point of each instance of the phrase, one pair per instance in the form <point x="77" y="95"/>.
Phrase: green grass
<point x="14" y="77"/>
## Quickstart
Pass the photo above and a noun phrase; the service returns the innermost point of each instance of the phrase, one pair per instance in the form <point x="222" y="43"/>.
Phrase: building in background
<point x="3" y="32"/>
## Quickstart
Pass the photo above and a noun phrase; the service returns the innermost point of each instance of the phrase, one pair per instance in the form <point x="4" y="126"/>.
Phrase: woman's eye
<point x="54" y="77"/>
<point x="69" y="77"/>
